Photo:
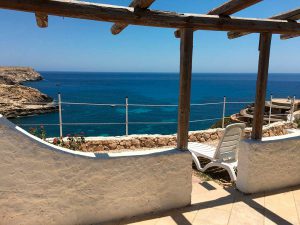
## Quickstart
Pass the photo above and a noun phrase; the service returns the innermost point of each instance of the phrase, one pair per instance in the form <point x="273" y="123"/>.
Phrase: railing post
<point x="224" y="110"/>
<point x="60" y="116"/>
<point x="126" y="115"/>
<point x="270" y="111"/>
<point x="292" y="109"/>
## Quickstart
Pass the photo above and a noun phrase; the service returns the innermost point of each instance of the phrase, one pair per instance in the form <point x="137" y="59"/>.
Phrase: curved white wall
<point x="269" y="164"/>
<point x="43" y="184"/>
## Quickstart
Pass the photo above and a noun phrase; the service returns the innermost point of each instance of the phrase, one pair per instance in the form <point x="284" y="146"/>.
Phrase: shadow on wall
<point x="45" y="184"/>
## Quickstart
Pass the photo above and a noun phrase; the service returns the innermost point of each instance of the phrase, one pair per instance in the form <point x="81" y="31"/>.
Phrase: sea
<point x="142" y="90"/>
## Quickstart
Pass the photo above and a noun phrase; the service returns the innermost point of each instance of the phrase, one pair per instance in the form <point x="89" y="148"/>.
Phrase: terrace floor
<point x="213" y="204"/>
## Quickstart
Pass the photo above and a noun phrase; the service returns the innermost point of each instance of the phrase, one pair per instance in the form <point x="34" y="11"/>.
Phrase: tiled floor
<point x="214" y="205"/>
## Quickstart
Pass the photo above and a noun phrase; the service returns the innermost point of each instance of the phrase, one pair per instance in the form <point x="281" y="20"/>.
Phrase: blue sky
<point x="81" y="45"/>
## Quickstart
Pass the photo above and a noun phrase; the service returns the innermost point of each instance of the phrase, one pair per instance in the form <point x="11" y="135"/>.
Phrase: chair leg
<point x="231" y="173"/>
<point x="196" y="161"/>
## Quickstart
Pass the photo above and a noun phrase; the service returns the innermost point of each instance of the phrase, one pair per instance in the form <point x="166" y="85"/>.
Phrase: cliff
<point x="18" y="75"/>
<point x="18" y="100"/>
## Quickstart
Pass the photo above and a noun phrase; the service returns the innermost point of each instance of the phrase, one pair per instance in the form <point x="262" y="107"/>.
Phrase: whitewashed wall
<point x="42" y="184"/>
<point x="269" y="164"/>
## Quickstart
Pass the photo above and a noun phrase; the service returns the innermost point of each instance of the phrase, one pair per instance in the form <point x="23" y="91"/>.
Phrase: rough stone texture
<point x="44" y="184"/>
<point x="154" y="141"/>
<point x="18" y="75"/>
<point x="17" y="100"/>
<point x="269" y="164"/>
<point x="275" y="129"/>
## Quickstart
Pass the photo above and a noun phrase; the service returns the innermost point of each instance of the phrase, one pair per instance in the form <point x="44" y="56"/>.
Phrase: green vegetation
<point x="39" y="132"/>
<point x="73" y="142"/>
<point x="218" y="124"/>
<point x="298" y="122"/>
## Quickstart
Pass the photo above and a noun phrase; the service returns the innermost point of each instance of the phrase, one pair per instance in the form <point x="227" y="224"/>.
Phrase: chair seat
<point x="202" y="150"/>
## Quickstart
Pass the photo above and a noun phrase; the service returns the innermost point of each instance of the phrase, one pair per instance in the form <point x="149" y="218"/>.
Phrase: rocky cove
<point x="19" y="100"/>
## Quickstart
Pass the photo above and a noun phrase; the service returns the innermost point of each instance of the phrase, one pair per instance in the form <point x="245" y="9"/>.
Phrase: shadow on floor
<point x="234" y="196"/>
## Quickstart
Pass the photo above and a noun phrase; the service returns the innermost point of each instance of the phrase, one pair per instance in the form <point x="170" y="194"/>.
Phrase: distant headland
<point x="18" y="100"/>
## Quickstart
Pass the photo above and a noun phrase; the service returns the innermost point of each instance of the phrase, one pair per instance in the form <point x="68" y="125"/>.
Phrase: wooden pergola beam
<point x="228" y="8"/>
<point x="289" y="15"/>
<point x="232" y="6"/>
<point x="139" y="4"/>
<point x="41" y="19"/>
<point x="292" y="15"/>
<point x="112" y="13"/>
<point x="261" y="85"/>
<point x="288" y="36"/>
<point x="186" y="58"/>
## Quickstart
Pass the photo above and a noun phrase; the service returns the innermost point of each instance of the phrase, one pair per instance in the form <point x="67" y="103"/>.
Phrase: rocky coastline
<point x="18" y="100"/>
<point x="148" y="142"/>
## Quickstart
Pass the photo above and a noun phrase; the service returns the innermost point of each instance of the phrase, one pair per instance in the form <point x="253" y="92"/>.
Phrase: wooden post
<point x="261" y="84"/>
<point x="186" y="58"/>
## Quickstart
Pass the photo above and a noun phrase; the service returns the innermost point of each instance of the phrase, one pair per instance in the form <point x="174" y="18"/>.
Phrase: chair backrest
<point x="229" y="143"/>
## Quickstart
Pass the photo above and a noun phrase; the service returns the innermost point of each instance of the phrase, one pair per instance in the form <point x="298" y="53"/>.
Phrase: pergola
<point x="218" y="19"/>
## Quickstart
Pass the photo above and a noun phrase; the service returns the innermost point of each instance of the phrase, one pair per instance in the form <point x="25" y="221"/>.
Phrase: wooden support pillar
<point x="261" y="85"/>
<point x="186" y="58"/>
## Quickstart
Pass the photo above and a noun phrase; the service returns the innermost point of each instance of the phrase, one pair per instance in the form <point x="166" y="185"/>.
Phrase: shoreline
<point x="18" y="100"/>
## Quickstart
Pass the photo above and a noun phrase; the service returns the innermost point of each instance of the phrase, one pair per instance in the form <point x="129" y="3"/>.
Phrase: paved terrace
<point x="213" y="204"/>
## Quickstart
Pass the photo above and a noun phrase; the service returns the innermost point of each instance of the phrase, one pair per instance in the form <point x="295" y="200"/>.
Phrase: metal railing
<point x="289" y="116"/>
<point x="127" y="105"/>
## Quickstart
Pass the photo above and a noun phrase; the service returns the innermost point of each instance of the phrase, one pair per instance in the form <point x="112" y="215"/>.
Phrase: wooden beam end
<point x="177" y="33"/>
<point x="117" y="28"/>
<point x="288" y="36"/>
<point x="233" y="34"/>
<point x="41" y="19"/>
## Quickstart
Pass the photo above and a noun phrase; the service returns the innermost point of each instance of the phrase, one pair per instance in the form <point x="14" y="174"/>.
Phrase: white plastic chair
<point x="224" y="155"/>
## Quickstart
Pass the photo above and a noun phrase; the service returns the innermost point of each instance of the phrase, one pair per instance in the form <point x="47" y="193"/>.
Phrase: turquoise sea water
<point x="147" y="88"/>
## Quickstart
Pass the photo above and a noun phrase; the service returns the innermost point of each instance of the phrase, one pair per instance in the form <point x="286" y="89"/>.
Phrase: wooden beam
<point x="288" y="36"/>
<point x="41" y="19"/>
<point x="290" y="15"/>
<point x="154" y="18"/>
<point x="228" y="8"/>
<point x="231" y="7"/>
<point x="261" y="85"/>
<point x="140" y="4"/>
<point x="186" y="58"/>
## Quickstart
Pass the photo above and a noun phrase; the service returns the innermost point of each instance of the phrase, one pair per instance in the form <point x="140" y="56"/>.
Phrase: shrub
<point x="218" y="124"/>
<point x="298" y="122"/>
<point x="73" y="142"/>
<point x="38" y="132"/>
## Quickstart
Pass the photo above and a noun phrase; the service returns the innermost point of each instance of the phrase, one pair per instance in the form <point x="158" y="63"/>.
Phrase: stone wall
<point x="269" y="164"/>
<point x="98" y="144"/>
<point x="44" y="184"/>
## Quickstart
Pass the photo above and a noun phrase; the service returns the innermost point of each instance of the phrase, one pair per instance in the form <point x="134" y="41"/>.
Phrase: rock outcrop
<point x="18" y="100"/>
<point x="18" y="75"/>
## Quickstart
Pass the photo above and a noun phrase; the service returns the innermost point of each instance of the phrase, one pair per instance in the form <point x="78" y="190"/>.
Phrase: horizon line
<point x="71" y="71"/>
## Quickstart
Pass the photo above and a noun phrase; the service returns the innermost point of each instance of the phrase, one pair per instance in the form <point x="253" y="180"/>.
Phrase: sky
<point x="81" y="45"/>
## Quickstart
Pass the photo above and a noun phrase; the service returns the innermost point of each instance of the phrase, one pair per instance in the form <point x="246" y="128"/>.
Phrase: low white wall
<point x="269" y="164"/>
<point x="44" y="184"/>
